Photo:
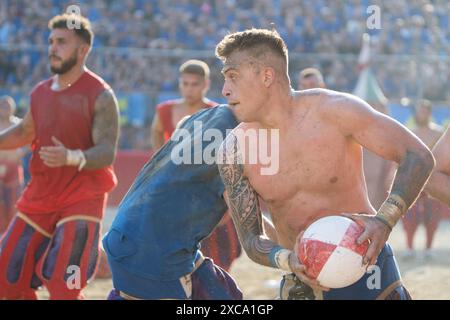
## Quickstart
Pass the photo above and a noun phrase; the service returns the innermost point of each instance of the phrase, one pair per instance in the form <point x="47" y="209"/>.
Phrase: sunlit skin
<point x="321" y="133"/>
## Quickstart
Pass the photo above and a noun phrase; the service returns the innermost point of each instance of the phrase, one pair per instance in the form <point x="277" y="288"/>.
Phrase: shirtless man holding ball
<point x="321" y="135"/>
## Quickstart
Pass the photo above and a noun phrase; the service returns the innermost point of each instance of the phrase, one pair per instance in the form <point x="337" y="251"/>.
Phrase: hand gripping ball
<point x="329" y="251"/>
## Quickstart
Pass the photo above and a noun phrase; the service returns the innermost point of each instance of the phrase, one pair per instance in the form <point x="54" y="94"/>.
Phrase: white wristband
<point x="76" y="158"/>
<point x="282" y="259"/>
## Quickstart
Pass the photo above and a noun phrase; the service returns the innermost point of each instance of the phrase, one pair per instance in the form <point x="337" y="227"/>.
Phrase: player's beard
<point x="66" y="65"/>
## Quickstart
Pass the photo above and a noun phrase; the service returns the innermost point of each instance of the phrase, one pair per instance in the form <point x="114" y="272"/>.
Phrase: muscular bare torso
<point x="320" y="172"/>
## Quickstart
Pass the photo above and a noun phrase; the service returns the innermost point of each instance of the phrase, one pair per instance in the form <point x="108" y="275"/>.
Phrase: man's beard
<point x="65" y="65"/>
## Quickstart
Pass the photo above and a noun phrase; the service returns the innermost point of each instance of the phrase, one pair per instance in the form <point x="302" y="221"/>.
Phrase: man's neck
<point x="277" y="109"/>
<point x="197" y="105"/>
<point x="63" y="81"/>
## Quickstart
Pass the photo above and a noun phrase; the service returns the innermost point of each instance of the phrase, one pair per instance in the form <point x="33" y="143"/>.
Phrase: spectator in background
<point x="418" y="28"/>
<point x="10" y="167"/>
<point x="425" y="210"/>
<point x="193" y="85"/>
<point x="310" y="78"/>
<point x="169" y="24"/>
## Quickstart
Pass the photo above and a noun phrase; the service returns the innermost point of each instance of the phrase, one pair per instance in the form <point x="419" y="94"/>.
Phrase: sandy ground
<point x="425" y="278"/>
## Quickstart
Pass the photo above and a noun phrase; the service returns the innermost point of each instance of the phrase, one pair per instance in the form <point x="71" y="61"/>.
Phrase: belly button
<point x="334" y="179"/>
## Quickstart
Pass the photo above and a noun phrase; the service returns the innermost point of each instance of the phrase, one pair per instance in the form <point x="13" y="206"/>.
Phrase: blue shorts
<point x="207" y="282"/>
<point x="382" y="282"/>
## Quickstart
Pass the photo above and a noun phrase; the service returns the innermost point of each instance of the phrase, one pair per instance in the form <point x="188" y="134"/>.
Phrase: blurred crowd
<point x="411" y="49"/>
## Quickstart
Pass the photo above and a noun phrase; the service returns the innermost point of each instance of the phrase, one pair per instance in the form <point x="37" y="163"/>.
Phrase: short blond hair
<point x="311" y="72"/>
<point x="197" y="67"/>
<point x="256" y="41"/>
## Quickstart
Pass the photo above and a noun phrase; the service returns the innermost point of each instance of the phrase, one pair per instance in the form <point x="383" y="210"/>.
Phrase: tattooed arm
<point x="105" y="132"/>
<point x="243" y="203"/>
<point x="245" y="211"/>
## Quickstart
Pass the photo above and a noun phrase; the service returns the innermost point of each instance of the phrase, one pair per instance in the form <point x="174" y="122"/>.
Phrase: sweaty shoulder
<point x="340" y="106"/>
<point x="344" y="111"/>
<point x="324" y="100"/>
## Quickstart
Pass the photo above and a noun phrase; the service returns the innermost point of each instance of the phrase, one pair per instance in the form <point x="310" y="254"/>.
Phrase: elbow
<point x="249" y="247"/>
<point x="428" y="160"/>
<point x="252" y="255"/>
<point x="107" y="159"/>
<point x="423" y="157"/>
<point x="111" y="157"/>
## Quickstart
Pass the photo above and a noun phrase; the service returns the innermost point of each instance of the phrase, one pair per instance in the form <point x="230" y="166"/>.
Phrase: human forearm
<point x="99" y="156"/>
<point x="105" y="132"/>
<point x="14" y="137"/>
<point x="413" y="172"/>
<point x="265" y="251"/>
<point x="245" y="210"/>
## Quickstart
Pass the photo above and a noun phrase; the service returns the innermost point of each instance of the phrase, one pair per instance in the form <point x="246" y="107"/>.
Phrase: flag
<point x="367" y="87"/>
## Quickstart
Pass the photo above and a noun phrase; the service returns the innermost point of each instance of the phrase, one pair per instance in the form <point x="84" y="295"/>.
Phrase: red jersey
<point x="68" y="115"/>
<point x="164" y="111"/>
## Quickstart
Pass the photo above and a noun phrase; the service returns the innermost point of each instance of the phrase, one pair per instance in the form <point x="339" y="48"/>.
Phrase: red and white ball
<point x="330" y="253"/>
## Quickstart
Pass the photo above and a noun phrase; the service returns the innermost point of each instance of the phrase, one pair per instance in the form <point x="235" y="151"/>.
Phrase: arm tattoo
<point x="105" y="132"/>
<point x="411" y="176"/>
<point x="244" y="204"/>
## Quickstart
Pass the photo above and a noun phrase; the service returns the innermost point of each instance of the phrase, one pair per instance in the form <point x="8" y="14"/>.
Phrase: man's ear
<point x="206" y="85"/>
<point x="84" y="50"/>
<point x="269" y="76"/>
